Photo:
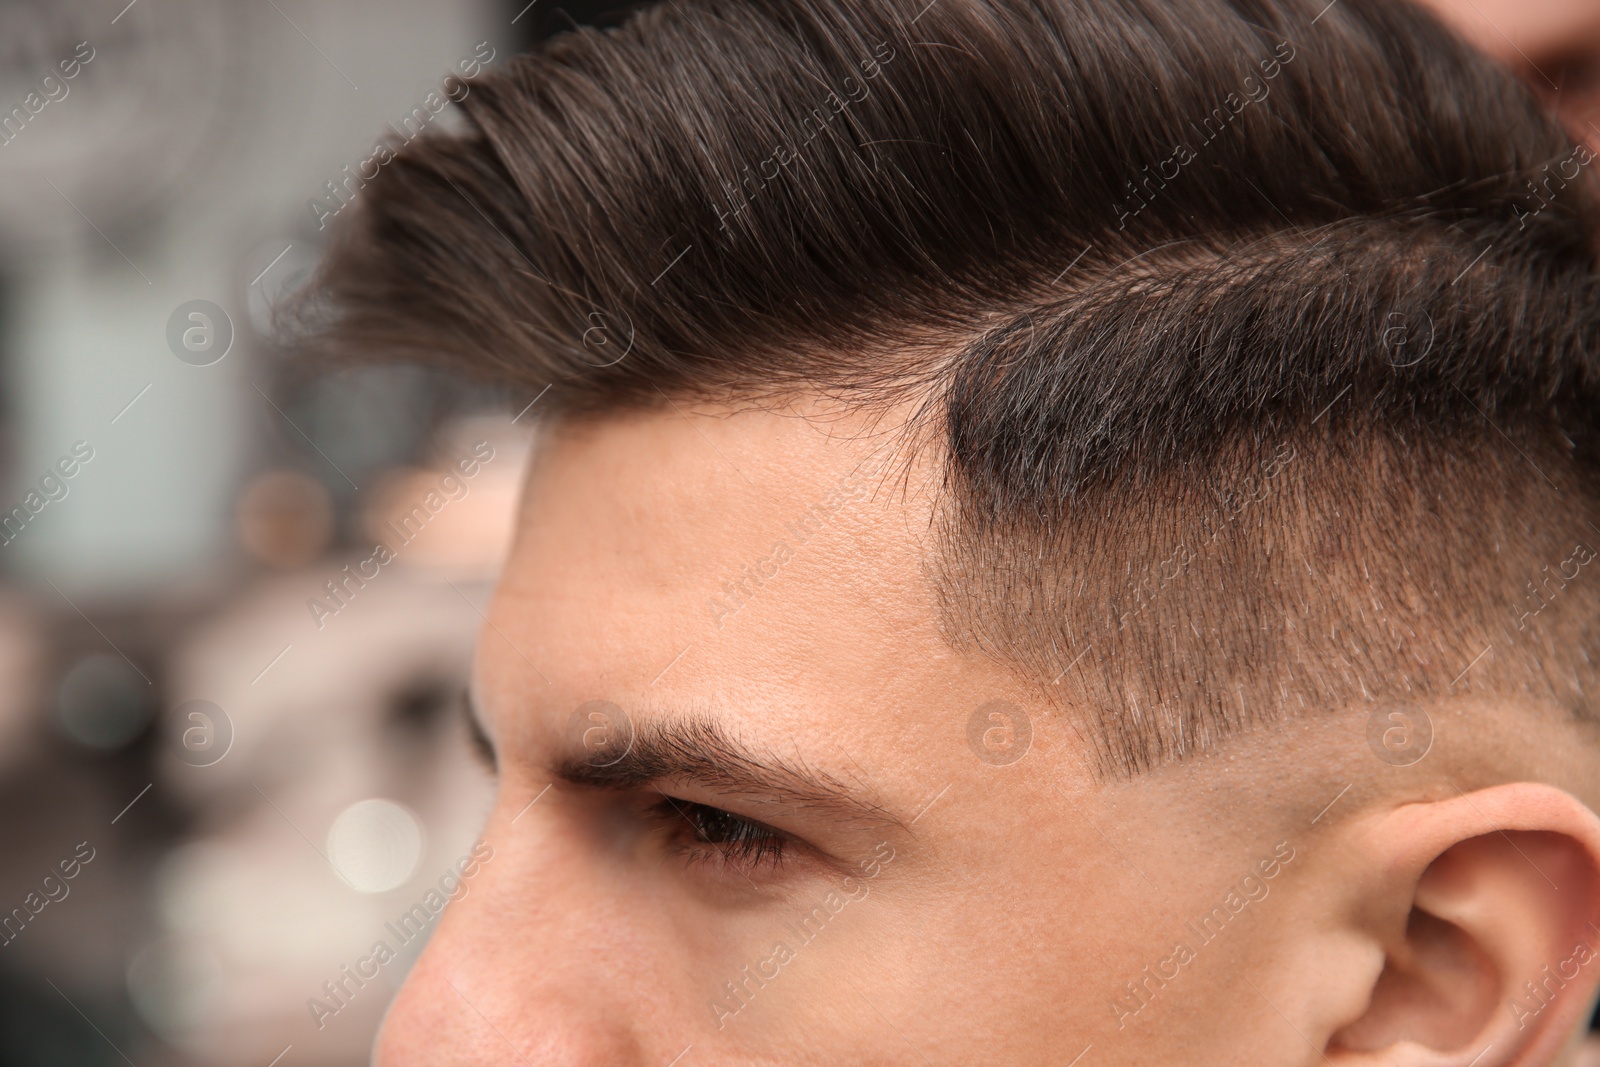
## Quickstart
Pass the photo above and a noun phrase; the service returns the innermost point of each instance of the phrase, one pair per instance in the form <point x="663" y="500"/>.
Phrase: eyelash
<point x="706" y="833"/>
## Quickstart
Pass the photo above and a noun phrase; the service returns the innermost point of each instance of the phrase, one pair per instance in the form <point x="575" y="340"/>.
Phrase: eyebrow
<point x="697" y="750"/>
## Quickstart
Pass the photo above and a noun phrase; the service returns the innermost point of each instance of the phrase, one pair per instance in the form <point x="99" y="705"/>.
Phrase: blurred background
<point x="238" y="730"/>
<point x="251" y="776"/>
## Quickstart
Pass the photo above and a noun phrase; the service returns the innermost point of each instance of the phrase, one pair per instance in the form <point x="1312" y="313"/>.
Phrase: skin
<point x="1007" y="903"/>
<point x="1553" y="44"/>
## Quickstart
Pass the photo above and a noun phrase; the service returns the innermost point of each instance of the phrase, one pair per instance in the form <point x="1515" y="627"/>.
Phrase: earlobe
<point x="1496" y="960"/>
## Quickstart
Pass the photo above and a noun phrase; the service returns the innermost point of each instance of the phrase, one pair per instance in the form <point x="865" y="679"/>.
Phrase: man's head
<point x="1062" y="527"/>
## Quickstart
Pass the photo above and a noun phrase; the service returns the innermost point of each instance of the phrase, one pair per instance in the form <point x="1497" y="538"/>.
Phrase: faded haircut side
<point x="1257" y="336"/>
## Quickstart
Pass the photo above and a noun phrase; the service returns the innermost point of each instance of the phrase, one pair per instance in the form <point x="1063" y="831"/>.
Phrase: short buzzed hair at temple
<point x="1256" y="338"/>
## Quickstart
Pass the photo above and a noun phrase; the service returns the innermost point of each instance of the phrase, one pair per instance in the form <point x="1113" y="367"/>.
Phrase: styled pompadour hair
<point x="1257" y="336"/>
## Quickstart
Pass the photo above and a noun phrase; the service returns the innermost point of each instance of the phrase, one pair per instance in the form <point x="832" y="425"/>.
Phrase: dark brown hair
<point x="1257" y="335"/>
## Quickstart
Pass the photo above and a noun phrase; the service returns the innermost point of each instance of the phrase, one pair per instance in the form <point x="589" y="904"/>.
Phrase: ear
<point x="1487" y="921"/>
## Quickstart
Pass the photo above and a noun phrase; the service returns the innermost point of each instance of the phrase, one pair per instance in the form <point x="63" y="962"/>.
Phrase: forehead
<point x="688" y="493"/>
<point x="759" y="565"/>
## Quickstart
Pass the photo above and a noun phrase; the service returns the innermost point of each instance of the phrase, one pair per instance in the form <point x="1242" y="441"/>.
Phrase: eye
<point x="482" y="748"/>
<point x="700" y="832"/>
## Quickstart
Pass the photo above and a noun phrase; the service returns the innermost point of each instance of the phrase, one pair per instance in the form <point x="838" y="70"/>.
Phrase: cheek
<point x="1041" y="946"/>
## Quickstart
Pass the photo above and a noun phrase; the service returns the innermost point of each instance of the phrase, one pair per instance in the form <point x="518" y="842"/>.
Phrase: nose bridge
<point x="516" y="971"/>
